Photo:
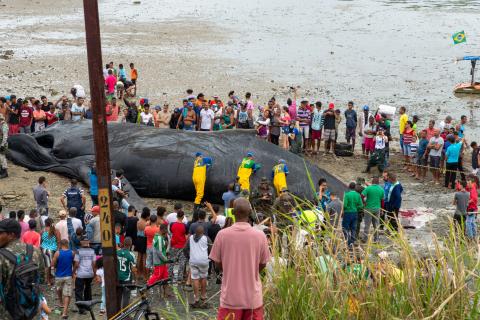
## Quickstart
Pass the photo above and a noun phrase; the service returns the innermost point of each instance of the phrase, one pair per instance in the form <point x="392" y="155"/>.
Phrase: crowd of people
<point x="230" y="245"/>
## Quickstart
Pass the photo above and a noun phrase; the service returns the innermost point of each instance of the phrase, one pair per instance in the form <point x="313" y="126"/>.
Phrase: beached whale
<point x="159" y="162"/>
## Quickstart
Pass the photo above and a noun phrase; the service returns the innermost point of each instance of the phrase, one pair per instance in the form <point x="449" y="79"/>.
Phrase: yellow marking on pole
<point x="105" y="218"/>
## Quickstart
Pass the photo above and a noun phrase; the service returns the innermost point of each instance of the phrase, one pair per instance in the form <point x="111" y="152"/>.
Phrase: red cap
<point x="331" y="106"/>
<point x="96" y="209"/>
<point x="142" y="101"/>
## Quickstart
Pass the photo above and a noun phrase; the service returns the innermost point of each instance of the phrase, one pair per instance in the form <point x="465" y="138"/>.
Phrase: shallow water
<point x="395" y="52"/>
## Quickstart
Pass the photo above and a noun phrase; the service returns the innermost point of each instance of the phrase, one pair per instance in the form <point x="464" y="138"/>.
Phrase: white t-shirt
<point x="207" y="116"/>
<point x="80" y="91"/>
<point x="433" y="152"/>
<point x="146" y="117"/>
<point x="221" y="220"/>
<point x="77" y="108"/>
<point x="380" y="142"/>
<point x="100" y="274"/>
<point x="77" y="223"/>
<point x="172" y="217"/>
<point x="62" y="227"/>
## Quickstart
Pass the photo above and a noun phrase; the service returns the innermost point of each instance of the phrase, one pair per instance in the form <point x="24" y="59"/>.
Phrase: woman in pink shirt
<point x="285" y="120"/>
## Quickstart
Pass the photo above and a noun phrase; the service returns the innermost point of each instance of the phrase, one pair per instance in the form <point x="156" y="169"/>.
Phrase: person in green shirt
<point x="352" y="203"/>
<point x="160" y="260"/>
<point x="126" y="263"/>
<point x="373" y="203"/>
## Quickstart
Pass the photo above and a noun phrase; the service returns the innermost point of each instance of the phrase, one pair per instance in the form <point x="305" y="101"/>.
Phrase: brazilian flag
<point x="459" y="37"/>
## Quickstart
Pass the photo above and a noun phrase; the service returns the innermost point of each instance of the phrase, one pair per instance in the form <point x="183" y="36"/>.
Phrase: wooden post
<point x="100" y="134"/>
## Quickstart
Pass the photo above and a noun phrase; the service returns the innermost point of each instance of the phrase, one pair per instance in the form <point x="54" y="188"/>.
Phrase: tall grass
<point x="441" y="284"/>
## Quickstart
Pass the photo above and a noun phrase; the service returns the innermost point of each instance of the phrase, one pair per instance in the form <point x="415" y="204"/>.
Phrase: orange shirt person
<point x="133" y="74"/>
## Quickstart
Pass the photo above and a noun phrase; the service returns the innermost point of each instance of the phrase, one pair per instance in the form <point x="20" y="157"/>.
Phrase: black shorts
<point x="134" y="81"/>
<point x="435" y="161"/>
<point x="422" y="161"/>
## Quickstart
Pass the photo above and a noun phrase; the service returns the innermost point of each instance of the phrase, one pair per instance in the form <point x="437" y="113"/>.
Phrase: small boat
<point x="471" y="87"/>
<point x="468" y="88"/>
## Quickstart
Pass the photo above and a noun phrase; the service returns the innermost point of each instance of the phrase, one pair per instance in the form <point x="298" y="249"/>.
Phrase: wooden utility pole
<point x="102" y="157"/>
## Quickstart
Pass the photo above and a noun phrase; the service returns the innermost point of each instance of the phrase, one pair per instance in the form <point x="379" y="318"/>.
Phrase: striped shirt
<point x="303" y="116"/>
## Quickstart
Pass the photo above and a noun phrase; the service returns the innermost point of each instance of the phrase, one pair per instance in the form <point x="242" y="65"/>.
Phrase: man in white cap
<point x="3" y="147"/>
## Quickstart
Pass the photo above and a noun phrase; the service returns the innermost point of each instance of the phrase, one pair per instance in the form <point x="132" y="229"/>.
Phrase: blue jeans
<point x="471" y="226"/>
<point x="401" y="142"/>
<point x="349" y="226"/>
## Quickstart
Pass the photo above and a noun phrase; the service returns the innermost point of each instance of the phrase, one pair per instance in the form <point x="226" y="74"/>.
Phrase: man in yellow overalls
<point x="245" y="170"/>
<point x="199" y="175"/>
<point x="279" y="176"/>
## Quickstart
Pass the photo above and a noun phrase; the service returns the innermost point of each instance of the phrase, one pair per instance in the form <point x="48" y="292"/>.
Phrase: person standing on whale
<point x="279" y="176"/>
<point x="247" y="167"/>
<point x="199" y="176"/>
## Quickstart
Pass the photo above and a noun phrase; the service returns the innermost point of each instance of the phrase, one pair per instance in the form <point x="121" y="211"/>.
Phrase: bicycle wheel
<point x="141" y="315"/>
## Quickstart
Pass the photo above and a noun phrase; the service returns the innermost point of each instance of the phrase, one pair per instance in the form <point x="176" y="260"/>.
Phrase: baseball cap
<point x="10" y="226"/>
<point x="366" y="107"/>
<point x="331" y="106"/>
<point x="250" y="154"/>
<point x="198" y="154"/>
<point x="281" y="161"/>
<point x="95" y="209"/>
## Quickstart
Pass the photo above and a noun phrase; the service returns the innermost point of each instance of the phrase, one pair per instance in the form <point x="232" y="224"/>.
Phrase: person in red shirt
<point x="26" y="117"/>
<point x="150" y="231"/>
<point x="31" y="236"/>
<point x="431" y="129"/>
<point x="111" y="110"/>
<point x="178" y="230"/>
<point x="110" y="83"/>
<point x="51" y="115"/>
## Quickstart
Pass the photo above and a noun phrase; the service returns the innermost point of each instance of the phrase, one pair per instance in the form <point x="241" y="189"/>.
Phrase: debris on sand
<point x="6" y="55"/>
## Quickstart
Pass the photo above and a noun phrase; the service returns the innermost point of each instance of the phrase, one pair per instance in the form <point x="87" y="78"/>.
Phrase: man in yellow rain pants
<point x="199" y="176"/>
<point x="279" y="176"/>
<point x="245" y="170"/>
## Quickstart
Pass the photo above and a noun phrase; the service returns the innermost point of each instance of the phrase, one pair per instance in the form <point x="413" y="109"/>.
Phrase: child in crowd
<point x="197" y="250"/>
<point x="160" y="261"/>
<point x="44" y="309"/>
<point x="100" y="278"/>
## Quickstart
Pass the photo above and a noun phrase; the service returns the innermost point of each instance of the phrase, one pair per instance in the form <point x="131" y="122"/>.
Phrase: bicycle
<point x="140" y="309"/>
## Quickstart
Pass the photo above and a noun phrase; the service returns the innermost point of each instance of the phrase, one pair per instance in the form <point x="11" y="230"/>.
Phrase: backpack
<point x="22" y="299"/>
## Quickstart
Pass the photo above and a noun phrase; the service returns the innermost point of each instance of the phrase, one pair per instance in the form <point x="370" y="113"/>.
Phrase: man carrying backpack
<point x="19" y="292"/>
<point x="75" y="199"/>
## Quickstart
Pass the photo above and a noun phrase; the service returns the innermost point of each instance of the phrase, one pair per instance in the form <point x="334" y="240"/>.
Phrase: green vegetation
<point x="326" y="280"/>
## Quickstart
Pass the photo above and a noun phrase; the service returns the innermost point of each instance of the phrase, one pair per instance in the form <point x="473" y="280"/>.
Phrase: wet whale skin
<point x="159" y="162"/>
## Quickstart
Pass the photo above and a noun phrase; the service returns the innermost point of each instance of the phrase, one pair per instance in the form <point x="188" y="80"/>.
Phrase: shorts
<point x="350" y="133"/>
<point x="159" y="273"/>
<point x="150" y="254"/>
<point x="406" y="150"/>
<point x="199" y="271"/>
<point x="240" y="314"/>
<point x="134" y="81"/>
<point x="27" y="129"/>
<point x="305" y="132"/>
<point x="328" y="134"/>
<point x="435" y="161"/>
<point x="64" y="284"/>
<point x="422" y="161"/>
<point x="316" y="134"/>
<point x="369" y="144"/>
